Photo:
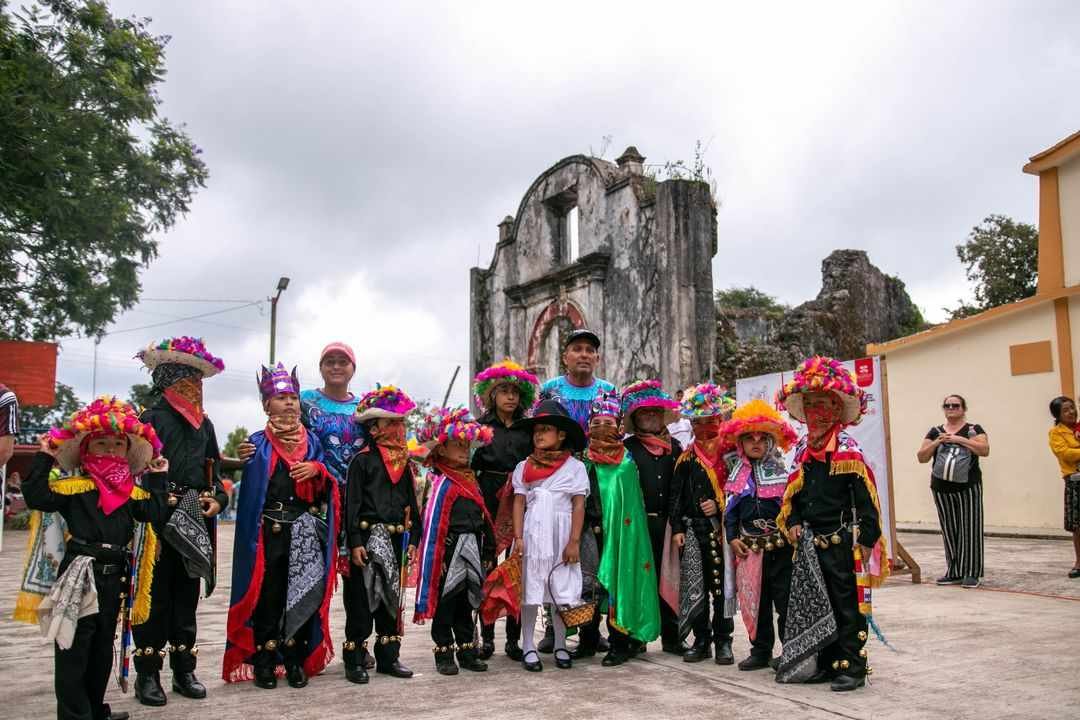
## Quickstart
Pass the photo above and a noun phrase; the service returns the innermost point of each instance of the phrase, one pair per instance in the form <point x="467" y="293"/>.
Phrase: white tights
<point x="528" y="629"/>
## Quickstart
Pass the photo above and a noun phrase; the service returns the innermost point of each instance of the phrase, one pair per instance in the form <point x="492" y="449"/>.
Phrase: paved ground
<point x="1007" y="650"/>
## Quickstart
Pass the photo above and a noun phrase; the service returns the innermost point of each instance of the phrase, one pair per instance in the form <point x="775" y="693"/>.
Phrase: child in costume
<point x="646" y="413"/>
<point x="382" y="508"/>
<point x="697" y="509"/>
<point x="458" y="547"/>
<point x="285" y="550"/>
<point x="754" y="488"/>
<point x="502" y="393"/>
<point x="101" y="506"/>
<point x="188" y="538"/>
<point x="627" y="569"/>
<point x="830" y="510"/>
<point x="550" y="487"/>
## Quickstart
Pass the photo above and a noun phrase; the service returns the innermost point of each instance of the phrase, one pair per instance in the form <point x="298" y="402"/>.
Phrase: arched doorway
<point x="552" y="326"/>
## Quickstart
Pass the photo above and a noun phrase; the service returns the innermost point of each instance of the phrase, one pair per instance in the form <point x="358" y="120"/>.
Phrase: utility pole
<point x="450" y="387"/>
<point x="282" y="283"/>
<point x="93" y="381"/>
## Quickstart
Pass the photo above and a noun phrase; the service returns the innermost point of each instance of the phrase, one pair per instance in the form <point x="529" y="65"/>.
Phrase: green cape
<point x="627" y="568"/>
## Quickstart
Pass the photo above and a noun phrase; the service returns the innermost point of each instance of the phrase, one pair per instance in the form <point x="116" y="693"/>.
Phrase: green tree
<point x="237" y="436"/>
<point x="1002" y="260"/>
<point x="142" y="395"/>
<point x="749" y="297"/>
<point x="36" y="419"/>
<point x="90" y="171"/>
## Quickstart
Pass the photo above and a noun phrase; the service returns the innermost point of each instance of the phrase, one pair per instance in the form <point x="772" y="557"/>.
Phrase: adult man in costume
<point x="381" y="510"/>
<point x="187" y="539"/>
<point x="284" y="552"/>
<point x="830" y="510"/>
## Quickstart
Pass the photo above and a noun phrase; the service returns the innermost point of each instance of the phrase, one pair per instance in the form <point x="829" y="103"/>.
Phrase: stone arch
<point x="558" y="312"/>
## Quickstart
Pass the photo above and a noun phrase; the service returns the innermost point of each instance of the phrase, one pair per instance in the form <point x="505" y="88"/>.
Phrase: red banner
<point x="29" y="369"/>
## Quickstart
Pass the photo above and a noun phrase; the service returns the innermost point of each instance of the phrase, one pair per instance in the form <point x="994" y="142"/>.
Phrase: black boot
<point x="755" y="661"/>
<point x="468" y="659"/>
<point x="148" y="689"/>
<point x="847" y="683"/>
<point x="674" y="648"/>
<point x="724" y="655"/>
<point x="294" y="663"/>
<point x="182" y="662"/>
<point x="353" y="653"/>
<point x="444" y="660"/>
<point x="386" y="657"/>
<point x="614" y="658"/>
<point x="513" y="650"/>
<point x="265" y="663"/>
<point x="110" y="715"/>
<point x="698" y="652"/>
<point x="296" y="676"/>
<point x="487" y="646"/>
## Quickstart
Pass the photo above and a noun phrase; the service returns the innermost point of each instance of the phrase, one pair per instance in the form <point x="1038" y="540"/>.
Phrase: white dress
<point x="548" y="519"/>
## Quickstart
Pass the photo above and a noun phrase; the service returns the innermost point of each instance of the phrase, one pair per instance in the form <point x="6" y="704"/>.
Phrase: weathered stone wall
<point x="642" y="280"/>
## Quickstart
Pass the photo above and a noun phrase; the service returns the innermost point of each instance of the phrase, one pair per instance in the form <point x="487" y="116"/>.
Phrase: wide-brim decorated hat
<point x="443" y="424"/>
<point x="606" y="404"/>
<point x="758" y="416"/>
<point x="182" y="350"/>
<point x="106" y="416"/>
<point x="507" y="372"/>
<point x="705" y="401"/>
<point x="551" y="412"/>
<point x="385" y="401"/>
<point x="646" y="394"/>
<point x="823" y="374"/>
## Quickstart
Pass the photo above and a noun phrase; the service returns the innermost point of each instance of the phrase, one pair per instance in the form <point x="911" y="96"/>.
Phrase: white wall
<point x="1069" y="200"/>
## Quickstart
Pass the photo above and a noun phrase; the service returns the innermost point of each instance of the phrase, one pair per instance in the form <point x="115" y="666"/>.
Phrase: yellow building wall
<point x="1074" y="318"/>
<point x="1020" y="477"/>
<point x="1069" y="201"/>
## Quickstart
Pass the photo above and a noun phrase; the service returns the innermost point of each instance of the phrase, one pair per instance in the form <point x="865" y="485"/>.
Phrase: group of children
<point x="596" y="508"/>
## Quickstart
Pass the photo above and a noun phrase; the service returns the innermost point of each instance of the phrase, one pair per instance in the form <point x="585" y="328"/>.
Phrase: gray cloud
<point x="368" y="152"/>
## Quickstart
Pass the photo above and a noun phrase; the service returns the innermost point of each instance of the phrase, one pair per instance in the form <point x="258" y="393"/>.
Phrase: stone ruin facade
<point x="605" y="246"/>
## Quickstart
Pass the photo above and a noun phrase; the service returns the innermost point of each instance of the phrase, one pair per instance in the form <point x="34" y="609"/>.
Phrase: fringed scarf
<point x="186" y="397"/>
<point x="287" y="436"/>
<point x="542" y="464"/>
<point x="393" y="449"/>
<point x="605" y="447"/>
<point x="657" y="445"/>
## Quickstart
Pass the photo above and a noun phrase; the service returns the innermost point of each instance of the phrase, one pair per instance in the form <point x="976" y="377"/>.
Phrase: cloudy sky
<point x="368" y="151"/>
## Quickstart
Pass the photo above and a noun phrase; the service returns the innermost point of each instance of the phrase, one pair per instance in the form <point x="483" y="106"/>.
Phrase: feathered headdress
<point x="823" y="374"/>
<point x="506" y="372"/>
<point x="758" y="416"/>
<point x="646" y="394"/>
<point x="444" y="424"/>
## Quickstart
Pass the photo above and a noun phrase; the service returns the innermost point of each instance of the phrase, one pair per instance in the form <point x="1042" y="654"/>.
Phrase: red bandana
<point x="542" y="464"/>
<point x="112" y="476"/>
<point x="707" y="444"/>
<point x="828" y="446"/>
<point x="185" y="396"/>
<point x="657" y="445"/>
<point x="465" y="481"/>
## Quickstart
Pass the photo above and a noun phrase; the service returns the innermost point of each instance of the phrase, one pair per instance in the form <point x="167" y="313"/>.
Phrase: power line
<point x="194" y="300"/>
<point x="182" y="319"/>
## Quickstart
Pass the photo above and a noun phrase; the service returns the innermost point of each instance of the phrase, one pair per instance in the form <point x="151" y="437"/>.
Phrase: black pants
<point x="775" y="584"/>
<point x="174" y="597"/>
<point x="453" y="621"/>
<point x="838" y="568"/>
<point x="81" y="673"/>
<point x="360" y="619"/>
<point x="720" y="628"/>
<point x="669" y="619"/>
<point x="268" y="619"/>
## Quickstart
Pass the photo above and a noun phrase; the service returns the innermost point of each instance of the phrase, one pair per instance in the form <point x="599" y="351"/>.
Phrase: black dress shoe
<point x="265" y="678"/>
<point x="148" y="689"/>
<point x="724" y="655"/>
<point x="512" y="650"/>
<point x="547" y="645"/>
<point x="394" y="669"/>
<point x="564" y="660"/>
<point x="674" y="648"/>
<point x="583" y="651"/>
<point x="110" y="715"/>
<point x="444" y="663"/>
<point x="614" y="659"/>
<point x="357" y="674"/>
<point x="847" y="683"/>
<point x="487" y="649"/>
<point x="296" y="676"/>
<point x="188" y="685"/>
<point x="755" y="662"/>
<point x="532" y="665"/>
<point x="697" y="653"/>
